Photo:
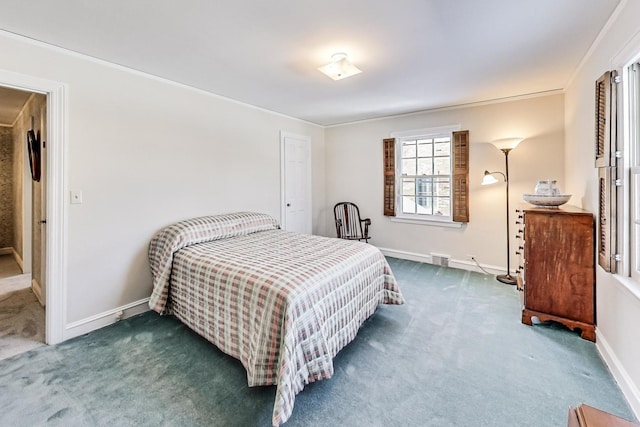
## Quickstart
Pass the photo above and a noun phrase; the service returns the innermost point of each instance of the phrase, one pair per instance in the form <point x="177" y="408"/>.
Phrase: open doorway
<point x="55" y="242"/>
<point x="23" y="135"/>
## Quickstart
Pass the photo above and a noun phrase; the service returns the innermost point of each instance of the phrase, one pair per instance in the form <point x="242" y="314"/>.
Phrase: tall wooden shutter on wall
<point x="605" y="161"/>
<point x="389" y="154"/>
<point x="605" y="120"/>
<point x="606" y="221"/>
<point x="460" y="182"/>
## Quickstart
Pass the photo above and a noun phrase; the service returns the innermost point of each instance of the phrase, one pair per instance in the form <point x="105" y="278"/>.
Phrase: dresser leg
<point x="587" y="331"/>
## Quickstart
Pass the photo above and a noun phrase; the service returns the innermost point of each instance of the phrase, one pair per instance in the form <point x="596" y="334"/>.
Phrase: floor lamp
<point x="505" y="145"/>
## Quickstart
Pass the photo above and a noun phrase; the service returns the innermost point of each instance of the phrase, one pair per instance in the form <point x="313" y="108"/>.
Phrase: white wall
<point x="354" y="172"/>
<point x="146" y="153"/>
<point x="618" y="308"/>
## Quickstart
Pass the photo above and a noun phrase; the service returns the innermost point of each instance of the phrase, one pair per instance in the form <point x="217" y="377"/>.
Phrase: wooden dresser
<point x="587" y="416"/>
<point x="557" y="266"/>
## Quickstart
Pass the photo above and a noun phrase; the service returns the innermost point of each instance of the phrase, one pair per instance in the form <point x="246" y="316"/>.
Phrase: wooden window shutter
<point x="460" y="183"/>
<point x="605" y="131"/>
<point x="606" y="220"/>
<point x="606" y="162"/>
<point x="389" y="154"/>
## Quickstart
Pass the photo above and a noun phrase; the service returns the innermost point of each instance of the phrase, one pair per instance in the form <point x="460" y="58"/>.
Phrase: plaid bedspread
<point x="282" y="303"/>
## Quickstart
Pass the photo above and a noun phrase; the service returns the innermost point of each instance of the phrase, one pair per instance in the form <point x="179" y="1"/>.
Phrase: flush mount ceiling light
<point x="339" y="67"/>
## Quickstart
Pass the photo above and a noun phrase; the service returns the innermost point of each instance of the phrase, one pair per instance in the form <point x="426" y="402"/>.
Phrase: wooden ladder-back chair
<point x="348" y="222"/>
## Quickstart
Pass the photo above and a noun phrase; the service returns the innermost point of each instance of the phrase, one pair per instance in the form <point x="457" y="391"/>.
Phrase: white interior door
<point x="296" y="182"/>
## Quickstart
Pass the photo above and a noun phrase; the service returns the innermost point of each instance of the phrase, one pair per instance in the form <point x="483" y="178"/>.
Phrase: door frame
<point x="283" y="202"/>
<point x="56" y="229"/>
<point x="43" y="202"/>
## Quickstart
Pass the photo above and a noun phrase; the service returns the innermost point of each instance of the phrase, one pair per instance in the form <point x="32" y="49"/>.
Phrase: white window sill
<point x="630" y="284"/>
<point x="428" y="222"/>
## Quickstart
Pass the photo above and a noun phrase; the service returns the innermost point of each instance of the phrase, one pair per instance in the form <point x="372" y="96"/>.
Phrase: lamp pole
<point x="507" y="278"/>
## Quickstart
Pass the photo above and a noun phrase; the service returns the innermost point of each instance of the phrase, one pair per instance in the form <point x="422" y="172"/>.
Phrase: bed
<point x="282" y="303"/>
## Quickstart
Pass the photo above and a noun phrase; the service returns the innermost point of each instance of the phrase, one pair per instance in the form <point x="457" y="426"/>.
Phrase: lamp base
<point x="507" y="279"/>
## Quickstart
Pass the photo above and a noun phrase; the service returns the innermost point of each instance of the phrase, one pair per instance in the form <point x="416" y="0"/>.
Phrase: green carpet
<point x="21" y="322"/>
<point x="455" y="354"/>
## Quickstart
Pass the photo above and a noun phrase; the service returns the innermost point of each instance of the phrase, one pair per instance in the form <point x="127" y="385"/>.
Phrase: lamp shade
<point x="507" y="143"/>
<point x="488" y="179"/>
<point x="339" y="67"/>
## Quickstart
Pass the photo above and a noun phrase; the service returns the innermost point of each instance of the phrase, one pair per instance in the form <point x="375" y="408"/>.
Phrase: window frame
<point x="630" y="205"/>
<point x="424" y="133"/>
<point x="629" y="147"/>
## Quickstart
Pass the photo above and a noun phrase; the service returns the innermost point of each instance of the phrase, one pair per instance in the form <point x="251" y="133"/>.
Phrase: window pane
<point x="408" y="149"/>
<point x="425" y="149"/>
<point x="408" y="166"/>
<point x="443" y="206"/>
<point x="442" y="165"/>
<point x="425" y="166"/>
<point x="408" y="187"/>
<point x="442" y="148"/>
<point x="443" y="187"/>
<point x="408" y="204"/>
<point x="424" y="205"/>
<point x="424" y="186"/>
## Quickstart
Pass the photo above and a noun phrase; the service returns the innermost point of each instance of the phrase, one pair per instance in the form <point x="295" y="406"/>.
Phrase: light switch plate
<point x="76" y="197"/>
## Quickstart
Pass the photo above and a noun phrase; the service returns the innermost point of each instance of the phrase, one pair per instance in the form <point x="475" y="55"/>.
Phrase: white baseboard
<point x="472" y="266"/>
<point x="411" y="256"/>
<point x="37" y="290"/>
<point x="18" y="259"/>
<point x="84" y="326"/>
<point x="453" y="263"/>
<point x="629" y="389"/>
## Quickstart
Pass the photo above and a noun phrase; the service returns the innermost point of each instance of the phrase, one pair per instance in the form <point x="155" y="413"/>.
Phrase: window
<point x="634" y="168"/>
<point x="426" y="175"/>
<point x="618" y="162"/>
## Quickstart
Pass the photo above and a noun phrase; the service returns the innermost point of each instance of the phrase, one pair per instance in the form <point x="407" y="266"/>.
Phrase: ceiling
<point x="415" y="54"/>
